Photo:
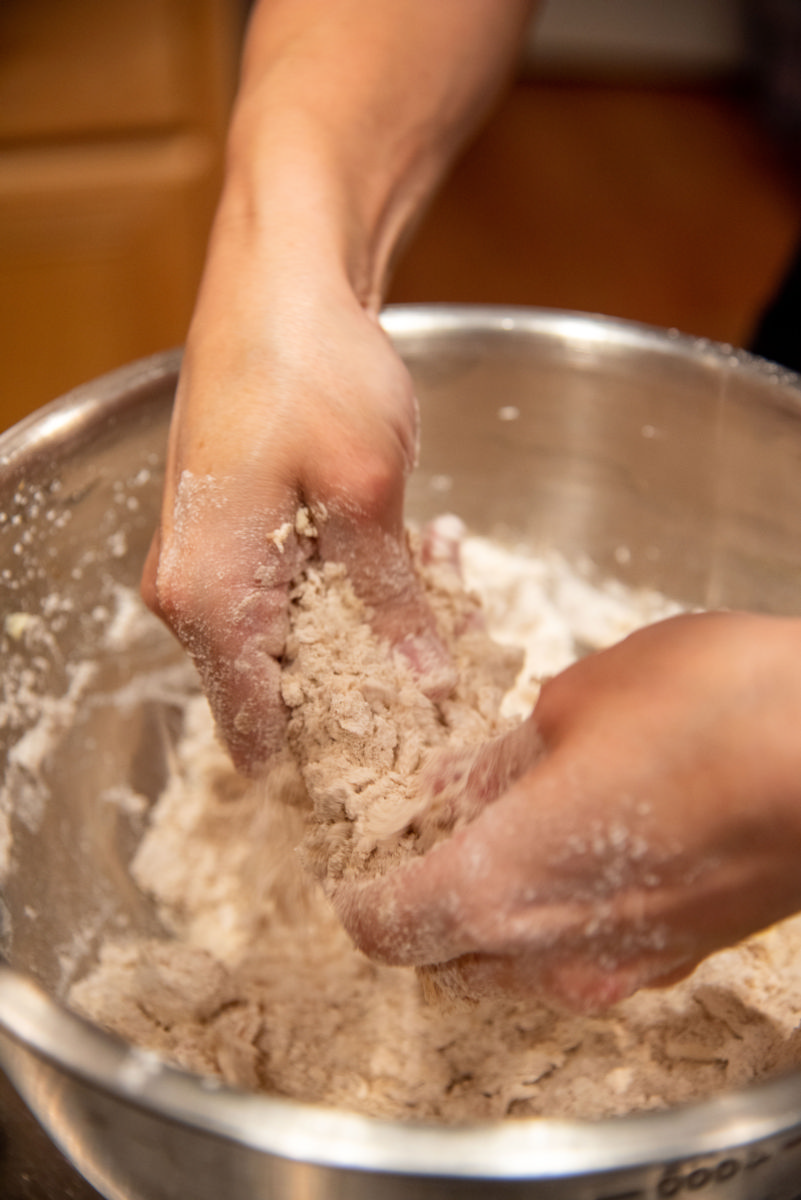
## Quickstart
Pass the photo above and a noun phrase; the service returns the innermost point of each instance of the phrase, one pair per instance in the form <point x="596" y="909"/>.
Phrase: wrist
<point x="366" y="106"/>
<point x="299" y="194"/>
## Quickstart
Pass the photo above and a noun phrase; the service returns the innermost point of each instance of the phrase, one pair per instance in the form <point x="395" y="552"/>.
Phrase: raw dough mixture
<point x="256" y="982"/>
<point x="365" y="728"/>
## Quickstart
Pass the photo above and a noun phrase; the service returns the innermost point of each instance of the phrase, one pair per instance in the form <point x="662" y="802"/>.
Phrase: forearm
<point x="348" y="115"/>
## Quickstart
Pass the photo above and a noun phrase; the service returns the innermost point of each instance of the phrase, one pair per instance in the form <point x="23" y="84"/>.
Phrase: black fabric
<point x="774" y="28"/>
<point x="778" y="334"/>
<point x="774" y="43"/>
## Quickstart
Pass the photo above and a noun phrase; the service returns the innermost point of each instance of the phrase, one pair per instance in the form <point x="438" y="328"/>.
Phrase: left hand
<point x="662" y="822"/>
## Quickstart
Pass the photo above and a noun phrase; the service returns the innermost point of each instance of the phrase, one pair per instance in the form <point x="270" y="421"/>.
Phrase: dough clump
<point x="255" y="982"/>
<point x="368" y="728"/>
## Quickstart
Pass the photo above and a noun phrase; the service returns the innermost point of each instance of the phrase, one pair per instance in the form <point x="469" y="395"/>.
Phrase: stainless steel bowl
<point x="667" y="461"/>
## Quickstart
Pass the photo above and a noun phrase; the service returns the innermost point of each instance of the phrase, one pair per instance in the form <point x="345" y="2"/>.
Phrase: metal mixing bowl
<point x="667" y="461"/>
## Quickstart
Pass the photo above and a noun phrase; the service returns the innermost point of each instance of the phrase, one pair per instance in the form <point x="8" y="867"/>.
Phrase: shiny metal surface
<point x="667" y="462"/>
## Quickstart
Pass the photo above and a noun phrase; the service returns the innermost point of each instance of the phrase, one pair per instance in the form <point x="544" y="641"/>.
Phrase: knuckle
<point x="361" y="476"/>
<point x="376" y="483"/>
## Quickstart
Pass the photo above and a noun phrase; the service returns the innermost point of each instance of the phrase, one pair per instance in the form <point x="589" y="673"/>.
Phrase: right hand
<point x="290" y="397"/>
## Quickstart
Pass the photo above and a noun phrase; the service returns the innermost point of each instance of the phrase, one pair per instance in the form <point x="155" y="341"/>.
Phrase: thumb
<point x="459" y="782"/>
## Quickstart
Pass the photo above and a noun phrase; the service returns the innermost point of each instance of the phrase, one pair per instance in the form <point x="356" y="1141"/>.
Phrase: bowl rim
<point x="124" y="385"/>
<point x="520" y="1149"/>
<point x="584" y="329"/>
<point x="529" y="1148"/>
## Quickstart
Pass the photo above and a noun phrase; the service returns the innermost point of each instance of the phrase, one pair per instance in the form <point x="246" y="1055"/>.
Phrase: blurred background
<point x="645" y="164"/>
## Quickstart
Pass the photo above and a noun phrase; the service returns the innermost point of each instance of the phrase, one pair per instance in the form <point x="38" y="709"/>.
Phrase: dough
<point x="366" y="730"/>
<point x="255" y="982"/>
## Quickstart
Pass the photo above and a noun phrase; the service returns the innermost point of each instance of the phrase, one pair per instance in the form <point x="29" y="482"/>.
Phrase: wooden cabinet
<point x="112" y="120"/>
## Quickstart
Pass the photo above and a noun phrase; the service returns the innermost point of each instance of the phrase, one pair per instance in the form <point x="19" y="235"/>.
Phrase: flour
<point x="256" y="983"/>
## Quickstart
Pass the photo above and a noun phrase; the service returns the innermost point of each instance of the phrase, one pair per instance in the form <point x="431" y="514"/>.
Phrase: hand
<point x="295" y="421"/>
<point x="661" y="822"/>
<point x="294" y="428"/>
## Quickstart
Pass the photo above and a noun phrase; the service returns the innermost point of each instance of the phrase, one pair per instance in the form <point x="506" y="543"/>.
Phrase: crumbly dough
<point x="256" y="983"/>
<point x="365" y="729"/>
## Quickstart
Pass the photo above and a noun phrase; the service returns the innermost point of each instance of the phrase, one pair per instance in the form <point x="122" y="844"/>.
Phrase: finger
<point x="503" y="884"/>
<point x="405" y="918"/>
<point x="453" y="900"/>
<point x="380" y="567"/>
<point x="576" y="988"/>
<point x="235" y="641"/>
<point x="464" y="780"/>
<point x="220" y="581"/>
<point x="241" y="675"/>
<point x="578" y="985"/>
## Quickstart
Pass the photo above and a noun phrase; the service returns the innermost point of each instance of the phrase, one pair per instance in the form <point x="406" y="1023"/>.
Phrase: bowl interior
<point x="666" y="462"/>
